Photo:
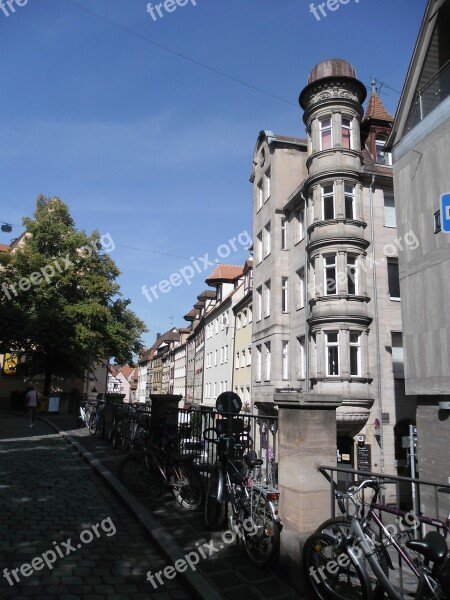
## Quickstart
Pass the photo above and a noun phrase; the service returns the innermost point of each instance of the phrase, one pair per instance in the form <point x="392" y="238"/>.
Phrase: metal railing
<point x="429" y="96"/>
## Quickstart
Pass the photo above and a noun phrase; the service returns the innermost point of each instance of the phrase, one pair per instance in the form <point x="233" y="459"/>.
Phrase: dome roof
<point x="333" y="67"/>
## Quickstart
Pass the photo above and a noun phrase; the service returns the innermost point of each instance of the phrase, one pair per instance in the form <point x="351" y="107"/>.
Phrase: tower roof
<point x="376" y="110"/>
<point x="333" y="67"/>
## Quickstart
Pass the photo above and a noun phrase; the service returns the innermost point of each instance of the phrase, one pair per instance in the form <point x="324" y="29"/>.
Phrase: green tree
<point x="60" y="302"/>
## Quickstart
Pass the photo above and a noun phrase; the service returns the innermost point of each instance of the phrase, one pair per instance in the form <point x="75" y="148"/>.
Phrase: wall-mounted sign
<point x="445" y="213"/>
<point x="10" y="364"/>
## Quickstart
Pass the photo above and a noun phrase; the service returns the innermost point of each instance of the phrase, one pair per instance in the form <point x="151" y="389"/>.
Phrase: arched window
<point x="382" y="157"/>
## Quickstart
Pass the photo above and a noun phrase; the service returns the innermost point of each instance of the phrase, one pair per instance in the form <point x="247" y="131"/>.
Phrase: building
<point x="326" y="301"/>
<point x="243" y="321"/>
<point x="420" y="143"/>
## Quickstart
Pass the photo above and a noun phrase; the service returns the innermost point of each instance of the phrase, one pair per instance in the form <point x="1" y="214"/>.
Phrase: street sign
<point x="445" y="212"/>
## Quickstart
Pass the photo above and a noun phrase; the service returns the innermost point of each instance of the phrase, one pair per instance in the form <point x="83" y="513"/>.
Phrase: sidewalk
<point x="227" y="572"/>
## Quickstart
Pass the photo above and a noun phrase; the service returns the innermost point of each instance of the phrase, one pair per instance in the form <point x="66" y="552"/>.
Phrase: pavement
<point x="58" y="482"/>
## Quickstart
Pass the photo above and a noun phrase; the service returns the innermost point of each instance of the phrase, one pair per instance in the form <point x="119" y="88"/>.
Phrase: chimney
<point x="158" y="335"/>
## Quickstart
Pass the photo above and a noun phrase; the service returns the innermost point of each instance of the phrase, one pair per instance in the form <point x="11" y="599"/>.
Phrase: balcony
<point x="430" y="96"/>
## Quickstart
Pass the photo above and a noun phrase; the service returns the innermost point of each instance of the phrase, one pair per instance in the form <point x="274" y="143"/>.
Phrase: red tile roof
<point x="126" y="371"/>
<point x="4" y="248"/>
<point x="376" y="110"/>
<point x="225" y="273"/>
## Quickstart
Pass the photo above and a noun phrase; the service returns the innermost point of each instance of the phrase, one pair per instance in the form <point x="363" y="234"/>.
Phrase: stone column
<point x="307" y="439"/>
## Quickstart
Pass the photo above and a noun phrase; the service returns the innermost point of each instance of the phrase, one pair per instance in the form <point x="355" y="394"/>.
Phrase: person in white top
<point x="31" y="402"/>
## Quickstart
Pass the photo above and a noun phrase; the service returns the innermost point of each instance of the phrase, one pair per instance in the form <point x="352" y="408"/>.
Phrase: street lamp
<point x="6" y="227"/>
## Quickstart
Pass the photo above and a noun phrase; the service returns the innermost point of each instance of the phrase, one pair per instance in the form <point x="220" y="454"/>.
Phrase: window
<point x="250" y="313"/>
<point x="215" y="361"/>
<point x="258" y="248"/>
<point x="221" y="356"/>
<point x="437" y="221"/>
<point x="329" y="270"/>
<point x="248" y="282"/>
<point x="267" y="298"/>
<point x="243" y="358"/>
<point x="267" y="239"/>
<point x="332" y="353"/>
<point x="216" y="325"/>
<point x="300" y="288"/>
<point x="389" y="210"/>
<point x="352" y="274"/>
<point x="355" y="354"/>
<point x="393" y="278"/>
<point x="283" y="233"/>
<point x="397" y="355"/>
<point x="349" y="197"/>
<point x="284" y="295"/>
<point x="238" y="321"/>
<point x="259" y="303"/>
<point x="382" y="157"/>
<point x="285" y="359"/>
<point x="237" y="361"/>
<point x="328" y="201"/>
<point x="219" y="293"/>
<point x="267" y="361"/>
<point x="267" y="187"/>
<point x="346" y="133"/>
<point x="258" y="363"/>
<point x="225" y="320"/>
<point x="301" y="224"/>
<point x="326" y="134"/>
<point x="259" y="195"/>
<point x="225" y="354"/>
<point x="244" y="318"/>
<point x="301" y="358"/>
<point x="249" y="356"/>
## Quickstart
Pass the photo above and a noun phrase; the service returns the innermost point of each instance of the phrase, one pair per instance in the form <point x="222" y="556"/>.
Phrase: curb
<point x="197" y="583"/>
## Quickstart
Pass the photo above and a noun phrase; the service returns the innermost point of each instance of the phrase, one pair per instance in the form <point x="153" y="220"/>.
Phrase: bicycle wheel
<point x="188" y="488"/>
<point x="261" y="536"/>
<point x="133" y="472"/>
<point x="214" y="509"/>
<point x="101" y="426"/>
<point x="92" y="425"/>
<point x="320" y="561"/>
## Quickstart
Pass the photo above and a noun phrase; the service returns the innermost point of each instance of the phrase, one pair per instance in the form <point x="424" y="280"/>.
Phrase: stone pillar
<point x="307" y="439"/>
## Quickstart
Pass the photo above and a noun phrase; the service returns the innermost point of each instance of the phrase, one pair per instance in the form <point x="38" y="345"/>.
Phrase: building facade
<point x="327" y="316"/>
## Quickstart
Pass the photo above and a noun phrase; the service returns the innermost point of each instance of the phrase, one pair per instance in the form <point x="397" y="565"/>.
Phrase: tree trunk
<point x="48" y="379"/>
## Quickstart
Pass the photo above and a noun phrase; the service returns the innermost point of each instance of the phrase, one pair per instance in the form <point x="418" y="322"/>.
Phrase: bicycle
<point x="252" y="503"/>
<point x="178" y="472"/>
<point x="96" y="423"/>
<point x="354" y="546"/>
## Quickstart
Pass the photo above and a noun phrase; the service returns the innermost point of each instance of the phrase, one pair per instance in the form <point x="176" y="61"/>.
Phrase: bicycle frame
<point x="441" y="525"/>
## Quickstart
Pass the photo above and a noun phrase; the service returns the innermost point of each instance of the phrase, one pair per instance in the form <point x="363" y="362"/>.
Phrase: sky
<point x="145" y="123"/>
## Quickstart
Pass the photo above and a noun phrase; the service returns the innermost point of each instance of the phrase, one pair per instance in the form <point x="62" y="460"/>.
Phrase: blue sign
<point x="445" y="212"/>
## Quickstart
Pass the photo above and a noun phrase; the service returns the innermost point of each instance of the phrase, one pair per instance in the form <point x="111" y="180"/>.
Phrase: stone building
<point x="326" y="301"/>
<point x="420" y="144"/>
<point x="243" y="321"/>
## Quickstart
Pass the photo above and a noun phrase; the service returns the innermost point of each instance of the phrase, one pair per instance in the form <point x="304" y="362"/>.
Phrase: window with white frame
<point x="267" y="240"/>
<point x="225" y="354"/>
<point x="258" y="363"/>
<point x="352" y="274"/>
<point x="390" y="219"/>
<point x="221" y="355"/>
<point x="215" y="389"/>
<point x="250" y="313"/>
<point x="215" y="358"/>
<point x="397" y="355"/>
<point x="301" y="224"/>
<point x="283" y="233"/>
<point x="249" y="356"/>
<point x="237" y="361"/>
<point x="259" y="195"/>
<point x="258" y="248"/>
<point x="284" y="295"/>
<point x="381" y="156"/>
<point x="326" y="133"/>
<point x="216" y="325"/>
<point x="244" y="317"/>
<point x="267" y="298"/>
<point x="393" y="278"/>
<point x="349" y="199"/>
<point x="328" y="201"/>
<point x="238" y="321"/>
<point x="301" y="357"/>
<point x="300" y="291"/>
<point x="225" y="319"/>
<point x="268" y="190"/>
<point x="267" y="361"/>
<point x="329" y="272"/>
<point x="347" y="138"/>
<point x="243" y="358"/>
<point x="259" y="303"/>
<point x="355" y="353"/>
<point x="332" y="353"/>
<point x="285" y="360"/>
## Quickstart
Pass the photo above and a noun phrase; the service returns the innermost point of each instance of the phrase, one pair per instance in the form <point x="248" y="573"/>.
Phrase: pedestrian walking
<point x="31" y="402"/>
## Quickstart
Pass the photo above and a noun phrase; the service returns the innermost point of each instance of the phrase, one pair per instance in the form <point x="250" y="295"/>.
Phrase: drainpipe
<point x="376" y="322"/>
<point x="306" y="306"/>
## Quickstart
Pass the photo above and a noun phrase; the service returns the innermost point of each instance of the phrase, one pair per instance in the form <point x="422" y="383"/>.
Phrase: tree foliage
<point x="60" y="301"/>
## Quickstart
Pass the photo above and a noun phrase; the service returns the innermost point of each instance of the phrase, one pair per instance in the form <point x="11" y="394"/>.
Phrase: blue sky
<point x="153" y="148"/>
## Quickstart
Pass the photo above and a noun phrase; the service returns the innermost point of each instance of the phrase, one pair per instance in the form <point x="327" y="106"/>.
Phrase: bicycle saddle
<point x="433" y="547"/>
<point x="252" y="461"/>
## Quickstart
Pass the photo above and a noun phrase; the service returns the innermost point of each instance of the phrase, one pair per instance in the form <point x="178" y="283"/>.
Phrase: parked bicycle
<point x="345" y="559"/>
<point x="254" y="511"/>
<point x="96" y="422"/>
<point x="161" y="456"/>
